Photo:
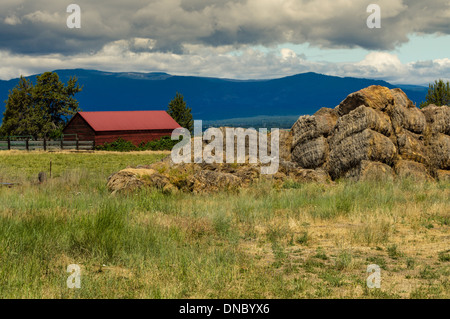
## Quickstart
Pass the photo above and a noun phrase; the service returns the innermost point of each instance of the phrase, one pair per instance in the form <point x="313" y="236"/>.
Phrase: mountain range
<point x="214" y="99"/>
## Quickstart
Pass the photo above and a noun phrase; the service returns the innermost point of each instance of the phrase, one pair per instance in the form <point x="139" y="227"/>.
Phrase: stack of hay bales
<point x="375" y="133"/>
<point x="310" y="147"/>
<point x="409" y="125"/>
<point x="362" y="145"/>
<point x="437" y="139"/>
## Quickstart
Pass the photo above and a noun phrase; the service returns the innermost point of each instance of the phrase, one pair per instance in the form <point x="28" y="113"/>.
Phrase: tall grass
<point x="261" y="242"/>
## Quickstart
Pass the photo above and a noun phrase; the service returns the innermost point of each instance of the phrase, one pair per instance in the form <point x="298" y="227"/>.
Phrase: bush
<point x="165" y="143"/>
<point x="120" y="145"/>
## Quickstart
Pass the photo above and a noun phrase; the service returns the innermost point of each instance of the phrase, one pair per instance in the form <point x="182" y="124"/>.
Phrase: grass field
<point x="294" y="241"/>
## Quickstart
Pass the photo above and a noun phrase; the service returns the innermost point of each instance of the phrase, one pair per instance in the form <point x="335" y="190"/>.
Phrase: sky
<point x="239" y="39"/>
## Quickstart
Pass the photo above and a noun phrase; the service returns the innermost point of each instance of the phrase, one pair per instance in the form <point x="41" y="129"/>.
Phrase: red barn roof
<point x="129" y="120"/>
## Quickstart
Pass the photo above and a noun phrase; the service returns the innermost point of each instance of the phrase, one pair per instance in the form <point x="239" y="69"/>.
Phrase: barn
<point x="107" y="127"/>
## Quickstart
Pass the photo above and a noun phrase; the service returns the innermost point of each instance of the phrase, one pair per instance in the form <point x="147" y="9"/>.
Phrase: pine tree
<point x="438" y="94"/>
<point x="16" y="118"/>
<point x="179" y="111"/>
<point x="40" y="110"/>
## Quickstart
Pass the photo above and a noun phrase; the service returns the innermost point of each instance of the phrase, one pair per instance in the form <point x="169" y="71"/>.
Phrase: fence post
<point x="26" y="145"/>
<point x="9" y="143"/>
<point x="62" y="145"/>
<point x="45" y="144"/>
<point x="77" y="144"/>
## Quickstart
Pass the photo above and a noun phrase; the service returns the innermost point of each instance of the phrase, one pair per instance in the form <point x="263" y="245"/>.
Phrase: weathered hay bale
<point x="410" y="118"/>
<point x="366" y="145"/>
<point x="360" y="119"/>
<point x="285" y="145"/>
<point x="439" y="145"/>
<point x="438" y="118"/>
<point x="318" y="175"/>
<point x="413" y="170"/>
<point x="401" y="99"/>
<point x="412" y="147"/>
<point x="124" y="181"/>
<point x="207" y="181"/>
<point x="130" y="179"/>
<point x="375" y="96"/>
<point x="443" y="175"/>
<point x="159" y="182"/>
<point x="311" y="154"/>
<point x="310" y="127"/>
<point x="370" y="171"/>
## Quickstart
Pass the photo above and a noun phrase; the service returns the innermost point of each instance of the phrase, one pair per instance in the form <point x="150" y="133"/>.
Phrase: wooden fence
<point x="46" y="145"/>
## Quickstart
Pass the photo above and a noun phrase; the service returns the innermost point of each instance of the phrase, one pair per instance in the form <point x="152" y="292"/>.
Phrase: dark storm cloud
<point x="39" y="27"/>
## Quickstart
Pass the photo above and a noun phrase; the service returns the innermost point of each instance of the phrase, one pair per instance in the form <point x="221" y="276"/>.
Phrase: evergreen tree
<point x="179" y="111"/>
<point x="438" y="94"/>
<point x="40" y="110"/>
<point x="16" y="116"/>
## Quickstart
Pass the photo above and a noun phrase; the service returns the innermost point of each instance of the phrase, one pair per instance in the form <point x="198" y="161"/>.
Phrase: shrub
<point x="165" y="143"/>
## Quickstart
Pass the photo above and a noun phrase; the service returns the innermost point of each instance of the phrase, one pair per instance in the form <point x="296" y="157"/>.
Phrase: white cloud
<point x="250" y="63"/>
<point x="12" y="20"/>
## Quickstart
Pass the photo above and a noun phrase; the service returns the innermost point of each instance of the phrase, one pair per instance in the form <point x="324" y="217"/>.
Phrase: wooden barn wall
<point x="79" y="126"/>
<point x="136" y="137"/>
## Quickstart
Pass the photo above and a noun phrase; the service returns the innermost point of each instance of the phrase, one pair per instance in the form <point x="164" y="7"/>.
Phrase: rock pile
<point x="375" y="133"/>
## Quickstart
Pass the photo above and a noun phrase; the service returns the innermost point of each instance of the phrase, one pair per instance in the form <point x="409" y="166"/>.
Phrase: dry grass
<point x="296" y="241"/>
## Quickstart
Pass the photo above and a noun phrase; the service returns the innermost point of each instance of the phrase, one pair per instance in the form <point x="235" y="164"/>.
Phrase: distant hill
<point x="212" y="98"/>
